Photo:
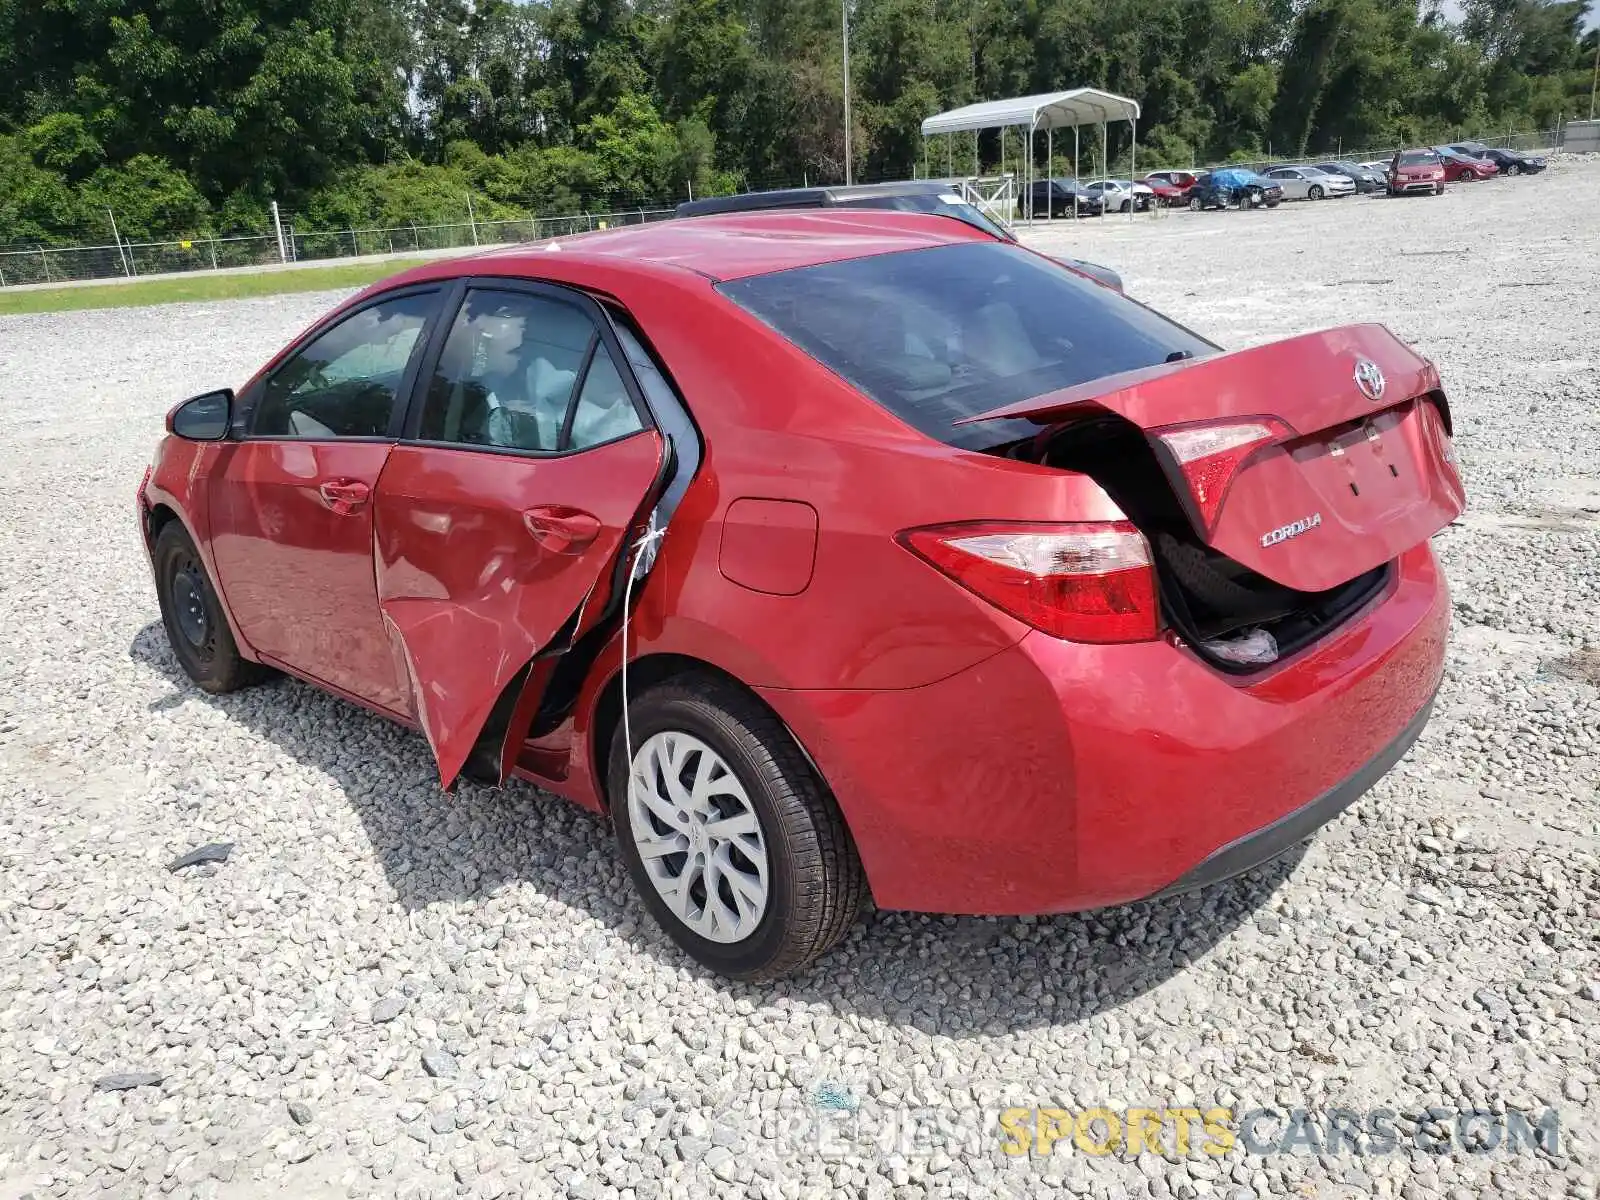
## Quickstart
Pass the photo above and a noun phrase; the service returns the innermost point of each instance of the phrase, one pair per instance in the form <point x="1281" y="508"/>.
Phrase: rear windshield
<point x="941" y="334"/>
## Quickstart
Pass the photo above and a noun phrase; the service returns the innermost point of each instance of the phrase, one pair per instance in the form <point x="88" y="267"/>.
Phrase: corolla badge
<point x="1292" y="530"/>
<point x="1369" y="379"/>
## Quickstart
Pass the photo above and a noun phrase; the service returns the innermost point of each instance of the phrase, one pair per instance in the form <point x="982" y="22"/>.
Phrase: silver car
<point x="1309" y="183"/>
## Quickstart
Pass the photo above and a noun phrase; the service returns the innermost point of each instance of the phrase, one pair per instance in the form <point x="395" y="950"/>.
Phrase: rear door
<point x="1310" y="460"/>
<point x="529" y="459"/>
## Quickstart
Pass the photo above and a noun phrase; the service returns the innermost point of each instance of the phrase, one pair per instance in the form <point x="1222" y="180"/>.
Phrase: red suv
<point x="1416" y="171"/>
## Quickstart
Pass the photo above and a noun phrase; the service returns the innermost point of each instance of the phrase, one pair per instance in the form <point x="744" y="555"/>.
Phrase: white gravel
<point x="386" y="991"/>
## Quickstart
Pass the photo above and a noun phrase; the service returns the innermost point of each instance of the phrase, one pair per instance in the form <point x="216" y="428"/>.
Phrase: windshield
<point x="942" y="334"/>
<point x="943" y="204"/>
<point x="1419" y="158"/>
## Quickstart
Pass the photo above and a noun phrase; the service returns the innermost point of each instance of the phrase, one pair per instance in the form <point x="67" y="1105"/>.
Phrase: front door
<point x="498" y="526"/>
<point x="292" y="502"/>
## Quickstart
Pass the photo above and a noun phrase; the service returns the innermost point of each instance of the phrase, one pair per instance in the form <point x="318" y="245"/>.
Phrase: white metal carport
<point x="1049" y="112"/>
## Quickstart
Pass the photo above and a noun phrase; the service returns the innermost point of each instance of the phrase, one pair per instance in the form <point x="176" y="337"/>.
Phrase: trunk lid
<point x="1345" y="482"/>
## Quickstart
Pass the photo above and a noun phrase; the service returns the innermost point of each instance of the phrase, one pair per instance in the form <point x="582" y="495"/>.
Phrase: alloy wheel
<point x="698" y="837"/>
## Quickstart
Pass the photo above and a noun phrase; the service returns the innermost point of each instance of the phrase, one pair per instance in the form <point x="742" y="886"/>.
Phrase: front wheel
<point x="1196" y="204"/>
<point x="1438" y="189"/>
<point x="1314" y="192"/>
<point x="735" y="845"/>
<point x="1513" y="169"/>
<point x="196" y="626"/>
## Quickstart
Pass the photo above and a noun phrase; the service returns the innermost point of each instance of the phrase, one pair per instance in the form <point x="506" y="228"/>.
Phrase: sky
<point x="1452" y="9"/>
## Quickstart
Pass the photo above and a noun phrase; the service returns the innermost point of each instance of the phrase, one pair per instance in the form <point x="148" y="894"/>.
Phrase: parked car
<point x="1121" y="194"/>
<point x="1183" y="181"/>
<point x="1379" y="166"/>
<point x="1365" y="179"/>
<point x="1471" y="149"/>
<point x="1514" y="162"/>
<point x="1165" y="194"/>
<point x="1063" y="198"/>
<point x="940" y="574"/>
<point x="1310" y="183"/>
<point x="1234" y="185"/>
<point x="1463" y="168"/>
<point x="1416" y="171"/>
<point x="934" y="196"/>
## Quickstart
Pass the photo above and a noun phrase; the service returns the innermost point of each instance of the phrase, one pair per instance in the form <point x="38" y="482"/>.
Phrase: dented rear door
<point x="484" y="559"/>
<point x="529" y="459"/>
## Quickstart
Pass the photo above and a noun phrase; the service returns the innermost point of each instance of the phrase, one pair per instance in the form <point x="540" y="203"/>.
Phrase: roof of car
<point x="733" y="246"/>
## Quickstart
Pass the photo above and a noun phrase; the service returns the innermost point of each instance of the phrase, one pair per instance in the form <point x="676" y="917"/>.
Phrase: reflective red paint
<point x="982" y="766"/>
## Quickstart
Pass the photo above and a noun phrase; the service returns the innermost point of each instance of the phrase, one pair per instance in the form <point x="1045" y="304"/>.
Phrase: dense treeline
<point x="188" y="116"/>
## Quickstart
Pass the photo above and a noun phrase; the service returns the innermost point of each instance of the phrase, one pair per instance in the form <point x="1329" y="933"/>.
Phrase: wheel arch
<point x="156" y="515"/>
<point x="651" y="670"/>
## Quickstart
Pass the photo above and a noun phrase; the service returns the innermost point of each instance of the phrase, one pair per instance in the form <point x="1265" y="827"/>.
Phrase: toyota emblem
<point x="1369" y="379"/>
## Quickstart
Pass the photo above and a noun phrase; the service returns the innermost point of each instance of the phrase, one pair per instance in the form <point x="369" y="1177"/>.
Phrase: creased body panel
<point x="472" y="588"/>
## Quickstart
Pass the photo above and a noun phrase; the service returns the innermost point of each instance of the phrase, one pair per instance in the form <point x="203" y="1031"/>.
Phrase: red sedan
<point x="939" y="571"/>
<point x="1179" y="182"/>
<point x="1464" y="168"/>
<point x="1166" y="194"/>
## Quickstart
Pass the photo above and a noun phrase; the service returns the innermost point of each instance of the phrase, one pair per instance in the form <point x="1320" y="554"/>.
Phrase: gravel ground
<point x="384" y="991"/>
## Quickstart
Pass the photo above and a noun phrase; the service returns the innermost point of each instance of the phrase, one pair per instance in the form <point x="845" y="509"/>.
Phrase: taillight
<point x="1085" y="582"/>
<point x="1210" y="456"/>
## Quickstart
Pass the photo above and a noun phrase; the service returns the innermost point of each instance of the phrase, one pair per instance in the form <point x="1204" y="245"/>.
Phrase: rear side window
<point x="942" y="334"/>
<point x="525" y="372"/>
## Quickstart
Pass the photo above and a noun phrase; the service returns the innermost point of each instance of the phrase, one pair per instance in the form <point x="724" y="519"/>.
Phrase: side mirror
<point x="203" y="418"/>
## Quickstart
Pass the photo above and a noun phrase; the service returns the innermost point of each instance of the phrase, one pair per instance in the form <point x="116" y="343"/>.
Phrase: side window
<point x="507" y="372"/>
<point x="605" y="411"/>
<point x="525" y="372"/>
<point x="345" y="383"/>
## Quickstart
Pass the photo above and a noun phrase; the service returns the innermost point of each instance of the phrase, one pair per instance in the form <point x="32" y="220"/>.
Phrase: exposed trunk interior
<point x="1215" y="603"/>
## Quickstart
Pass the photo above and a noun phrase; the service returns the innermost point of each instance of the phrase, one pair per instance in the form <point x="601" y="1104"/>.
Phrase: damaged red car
<point x="941" y="574"/>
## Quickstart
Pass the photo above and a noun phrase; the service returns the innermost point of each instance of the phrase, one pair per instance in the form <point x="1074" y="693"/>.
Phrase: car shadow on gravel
<point x="955" y="976"/>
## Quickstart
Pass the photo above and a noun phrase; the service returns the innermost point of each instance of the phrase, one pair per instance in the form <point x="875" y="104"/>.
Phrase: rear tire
<point x="799" y="859"/>
<point x="196" y="626"/>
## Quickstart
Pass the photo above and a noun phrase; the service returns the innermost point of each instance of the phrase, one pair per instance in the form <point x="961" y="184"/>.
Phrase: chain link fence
<point x="61" y="264"/>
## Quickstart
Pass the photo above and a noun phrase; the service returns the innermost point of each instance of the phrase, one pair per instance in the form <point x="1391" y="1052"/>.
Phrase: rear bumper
<point x="1056" y="777"/>
<point x="1291" y="829"/>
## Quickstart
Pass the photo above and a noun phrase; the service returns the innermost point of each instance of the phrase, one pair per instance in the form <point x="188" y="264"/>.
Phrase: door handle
<point x="344" y="496"/>
<point x="561" y="529"/>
